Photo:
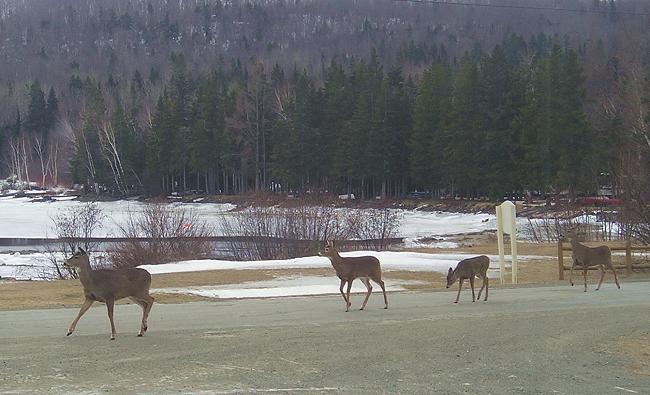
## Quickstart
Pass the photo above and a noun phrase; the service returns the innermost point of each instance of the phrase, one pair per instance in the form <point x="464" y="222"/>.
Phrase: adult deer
<point x="365" y="268"/>
<point x="110" y="285"/>
<point x="586" y="257"/>
<point x="468" y="269"/>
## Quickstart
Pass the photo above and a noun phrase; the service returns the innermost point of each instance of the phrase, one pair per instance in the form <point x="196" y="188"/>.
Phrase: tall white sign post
<point x="506" y="215"/>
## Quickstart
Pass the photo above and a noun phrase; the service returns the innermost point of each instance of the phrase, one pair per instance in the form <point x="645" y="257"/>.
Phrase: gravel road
<point x="526" y="340"/>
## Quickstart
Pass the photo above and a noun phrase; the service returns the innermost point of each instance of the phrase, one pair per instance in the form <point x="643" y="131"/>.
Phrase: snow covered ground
<point x="390" y="261"/>
<point x="281" y="287"/>
<point x="35" y="265"/>
<point x="24" y="266"/>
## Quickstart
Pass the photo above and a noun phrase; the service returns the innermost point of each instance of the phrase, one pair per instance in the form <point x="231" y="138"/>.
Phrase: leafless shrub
<point x="160" y="233"/>
<point x="592" y="224"/>
<point x="373" y="226"/>
<point x="278" y="233"/>
<point x="635" y="220"/>
<point x="75" y="227"/>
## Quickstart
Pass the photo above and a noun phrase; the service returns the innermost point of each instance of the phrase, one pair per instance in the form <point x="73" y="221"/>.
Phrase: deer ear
<point x="451" y="270"/>
<point x="81" y="250"/>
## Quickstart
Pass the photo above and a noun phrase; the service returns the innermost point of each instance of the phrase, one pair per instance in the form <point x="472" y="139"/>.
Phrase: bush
<point x="161" y="233"/>
<point x="75" y="227"/>
<point x="279" y="233"/>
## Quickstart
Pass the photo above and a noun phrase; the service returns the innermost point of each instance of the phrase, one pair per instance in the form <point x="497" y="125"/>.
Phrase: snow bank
<point x="280" y="287"/>
<point x="390" y="261"/>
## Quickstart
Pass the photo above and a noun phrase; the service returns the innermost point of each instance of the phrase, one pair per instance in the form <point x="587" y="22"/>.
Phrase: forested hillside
<point x="368" y="97"/>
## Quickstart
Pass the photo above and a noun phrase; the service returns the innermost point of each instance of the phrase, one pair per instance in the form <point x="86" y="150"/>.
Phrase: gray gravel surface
<point x="528" y="340"/>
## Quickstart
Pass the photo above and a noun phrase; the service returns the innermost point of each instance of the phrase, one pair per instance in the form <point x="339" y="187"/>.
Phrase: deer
<point x="107" y="286"/>
<point x="468" y="269"/>
<point x="586" y="257"/>
<point x="365" y="268"/>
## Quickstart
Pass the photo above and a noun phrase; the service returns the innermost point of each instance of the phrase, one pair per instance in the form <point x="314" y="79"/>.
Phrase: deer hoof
<point x="386" y="308"/>
<point x="140" y="334"/>
<point x="69" y="333"/>
<point x="112" y="338"/>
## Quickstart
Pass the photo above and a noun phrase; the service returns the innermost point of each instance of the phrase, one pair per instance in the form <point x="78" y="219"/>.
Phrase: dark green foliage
<point x="39" y="119"/>
<point x="489" y="124"/>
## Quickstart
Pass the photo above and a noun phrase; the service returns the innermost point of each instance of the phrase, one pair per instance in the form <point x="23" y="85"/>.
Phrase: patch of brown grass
<point x="636" y="350"/>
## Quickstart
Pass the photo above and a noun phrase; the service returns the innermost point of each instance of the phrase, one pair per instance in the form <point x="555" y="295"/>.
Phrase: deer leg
<point x="573" y="264"/>
<point x="383" y="289"/>
<point x="343" y="293"/>
<point x="146" y="304"/>
<point x="82" y="311"/>
<point x="110" y="305"/>
<point x="614" y="271"/>
<point x="471" y="284"/>
<point x="460" y="285"/>
<point x="482" y="286"/>
<point x="584" y="273"/>
<point x="486" y="282"/>
<point x="602" y="276"/>
<point x="149" y="300"/>
<point x="347" y="305"/>
<point x="369" y="287"/>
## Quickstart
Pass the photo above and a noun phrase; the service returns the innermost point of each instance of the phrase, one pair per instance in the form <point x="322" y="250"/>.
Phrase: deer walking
<point x="110" y="285"/>
<point x="586" y="257"/>
<point x="365" y="268"/>
<point x="468" y="269"/>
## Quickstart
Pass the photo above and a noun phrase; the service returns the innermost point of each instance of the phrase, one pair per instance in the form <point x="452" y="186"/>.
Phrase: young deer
<point x="587" y="257"/>
<point x="110" y="285"/>
<point x="468" y="269"/>
<point x="365" y="268"/>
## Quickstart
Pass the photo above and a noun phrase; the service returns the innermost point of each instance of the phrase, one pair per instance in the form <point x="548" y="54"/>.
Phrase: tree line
<point x="487" y="124"/>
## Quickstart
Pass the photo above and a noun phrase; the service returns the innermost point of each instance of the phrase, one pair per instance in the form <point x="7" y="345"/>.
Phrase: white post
<point x="502" y="264"/>
<point x="513" y="248"/>
<point x="506" y="215"/>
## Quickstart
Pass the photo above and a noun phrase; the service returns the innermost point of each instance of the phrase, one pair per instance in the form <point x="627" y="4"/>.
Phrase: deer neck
<point x="336" y="261"/>
<point x="85" y="274"/>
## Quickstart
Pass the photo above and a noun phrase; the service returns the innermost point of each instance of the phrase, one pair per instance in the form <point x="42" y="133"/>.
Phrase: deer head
<point x="569" y="234"/>
<point x="329" y="250"/>
<point x="78" y="259"/>
<point x="450" y="277"/>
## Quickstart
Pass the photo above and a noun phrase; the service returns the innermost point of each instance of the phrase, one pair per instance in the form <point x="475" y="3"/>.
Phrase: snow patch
<point x="281" y="287"/>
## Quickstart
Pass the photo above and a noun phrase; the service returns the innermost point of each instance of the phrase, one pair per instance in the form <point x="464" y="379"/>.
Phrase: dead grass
<point x="635" y="350"/>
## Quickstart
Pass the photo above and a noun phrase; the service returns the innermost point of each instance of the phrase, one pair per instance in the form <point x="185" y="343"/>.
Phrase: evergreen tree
<point x="428" y="139"/>
<point x="38" y="118"/>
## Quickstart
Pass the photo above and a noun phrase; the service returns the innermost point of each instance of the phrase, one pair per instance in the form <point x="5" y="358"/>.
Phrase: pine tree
<point x="427" y="142"/>
<point x="38" y="118"/>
